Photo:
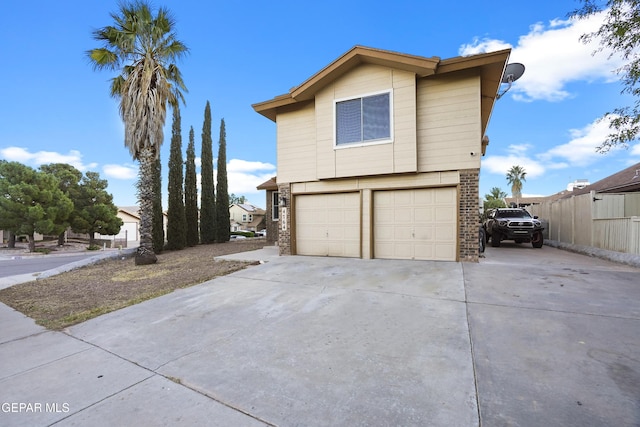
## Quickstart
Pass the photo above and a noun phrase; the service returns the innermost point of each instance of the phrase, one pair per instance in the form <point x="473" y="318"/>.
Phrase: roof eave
<point x="421" y="66"/>
<point x="491" y="67"/>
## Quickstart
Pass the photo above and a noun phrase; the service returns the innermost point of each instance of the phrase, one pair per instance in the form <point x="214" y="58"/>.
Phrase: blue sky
<point x="56" y="108"/>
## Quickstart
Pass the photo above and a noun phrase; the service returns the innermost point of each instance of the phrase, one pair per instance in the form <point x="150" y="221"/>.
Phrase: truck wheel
<point x="537" y="241"/>
<point x="495" y="240"/>
<point x="482" y="240"/>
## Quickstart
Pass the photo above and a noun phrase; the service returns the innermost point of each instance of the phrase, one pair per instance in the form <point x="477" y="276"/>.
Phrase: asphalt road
<point x="16" y="265"/>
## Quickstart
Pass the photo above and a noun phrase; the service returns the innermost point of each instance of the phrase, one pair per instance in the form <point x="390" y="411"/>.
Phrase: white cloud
<point x="483" y="45"/>
<point x="635" y="150"/>
<point x="554" y="56"/>
<point x="237" y="165"/>
<point x="501" y="164"/>
<point x="518" y="149"/>
<point x="581" y="149"/>
<point x="120" y="171"/>
<point x="23" y="155"/>
<point x="243" y="177"/>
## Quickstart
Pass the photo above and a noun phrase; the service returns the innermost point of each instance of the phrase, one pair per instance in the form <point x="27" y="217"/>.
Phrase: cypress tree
<point x="176" y="220"/>
<point x="191" y="193"/>
<point x="223" y="222"/>
<point x="207" y="198"/>
<point x="157" y="226"/>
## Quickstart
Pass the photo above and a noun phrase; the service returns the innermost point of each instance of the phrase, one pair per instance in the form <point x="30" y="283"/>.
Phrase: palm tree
<point x="494" y="199"/>
<point x="143" y="48"/>
<point x="515" y="176"/>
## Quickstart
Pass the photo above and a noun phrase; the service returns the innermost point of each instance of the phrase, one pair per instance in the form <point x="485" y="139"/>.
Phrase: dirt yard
<point x="73" y="297"/>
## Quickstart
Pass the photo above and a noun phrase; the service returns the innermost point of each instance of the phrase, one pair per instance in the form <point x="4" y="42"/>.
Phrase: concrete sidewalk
<point x="527" y="337"/>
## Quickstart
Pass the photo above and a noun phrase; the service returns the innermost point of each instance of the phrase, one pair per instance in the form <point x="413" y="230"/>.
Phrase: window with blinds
<point x="363" y="120"/>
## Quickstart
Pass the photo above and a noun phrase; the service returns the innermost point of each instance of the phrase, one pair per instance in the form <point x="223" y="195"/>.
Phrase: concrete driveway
<point x="556" y="338"/>
<point x="527" y="337"/>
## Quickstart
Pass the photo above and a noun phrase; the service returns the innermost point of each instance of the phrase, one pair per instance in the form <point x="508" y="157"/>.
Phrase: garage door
<point x="415" y="224"/>
<point x="328" y="224"/>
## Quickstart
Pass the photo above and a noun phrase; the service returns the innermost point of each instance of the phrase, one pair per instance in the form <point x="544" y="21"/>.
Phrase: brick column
<point x="469" y="215"/>
<point x="284" y="225"/>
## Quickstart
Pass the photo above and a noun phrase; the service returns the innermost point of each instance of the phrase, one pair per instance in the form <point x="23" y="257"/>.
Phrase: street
<point x="24" y="264"/>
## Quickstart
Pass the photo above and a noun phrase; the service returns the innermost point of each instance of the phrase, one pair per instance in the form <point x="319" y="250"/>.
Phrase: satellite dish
<point x="512" y="73"/>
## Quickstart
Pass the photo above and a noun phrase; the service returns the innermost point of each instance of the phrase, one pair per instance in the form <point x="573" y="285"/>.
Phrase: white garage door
<point x="328" y="224"/>
<point x="415" y="224"/>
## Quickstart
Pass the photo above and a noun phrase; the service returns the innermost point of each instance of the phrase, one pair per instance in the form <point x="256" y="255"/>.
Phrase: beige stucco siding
<point x="448" y="123"/>
<point x="296" y="145"/>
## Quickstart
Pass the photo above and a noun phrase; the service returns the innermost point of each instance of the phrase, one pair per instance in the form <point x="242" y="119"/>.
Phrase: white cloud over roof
<point x="554" y="56"/>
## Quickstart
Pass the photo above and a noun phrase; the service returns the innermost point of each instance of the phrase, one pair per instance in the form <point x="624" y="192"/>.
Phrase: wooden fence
<point x="605" y="221"/>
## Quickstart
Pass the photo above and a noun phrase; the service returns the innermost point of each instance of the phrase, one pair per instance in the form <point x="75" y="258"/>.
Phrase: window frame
<point x="275" y="206"/>
<point x="362" y="143"/>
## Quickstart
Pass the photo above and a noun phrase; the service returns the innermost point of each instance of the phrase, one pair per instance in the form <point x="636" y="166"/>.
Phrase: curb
<point x="87" y="261"/>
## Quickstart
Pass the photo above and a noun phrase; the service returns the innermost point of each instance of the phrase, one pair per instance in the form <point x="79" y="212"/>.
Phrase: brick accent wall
<point x="271" y="225"/>
<point x="284" y="224"/>
<point x="469" y="215"/>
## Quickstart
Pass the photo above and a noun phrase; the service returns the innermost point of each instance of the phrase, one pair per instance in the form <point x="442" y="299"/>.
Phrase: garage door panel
<point x="328" y="224"/>
<point x="415" y="224"/>
<point x="424" y="233"/>
<point x="445" y="252"/>
<point x="423" y="251"/>
<point x="444" y="214"/>
<point x="443" y="233"/>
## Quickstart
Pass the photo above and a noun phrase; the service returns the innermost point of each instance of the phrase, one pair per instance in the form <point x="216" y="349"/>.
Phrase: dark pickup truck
<point x="513" y="224"/>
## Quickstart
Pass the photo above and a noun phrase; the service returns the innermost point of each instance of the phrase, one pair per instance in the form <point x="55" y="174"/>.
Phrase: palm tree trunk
<point x="145" y="254"/>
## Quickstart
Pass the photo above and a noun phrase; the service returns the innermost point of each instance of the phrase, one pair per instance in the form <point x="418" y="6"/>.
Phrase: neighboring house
<point x="272" y="214"/>
<point x="245" y="216"/>
<point x="605" y="214"/>
<point x="130" y="230"/>
<point x="378" y="155"/>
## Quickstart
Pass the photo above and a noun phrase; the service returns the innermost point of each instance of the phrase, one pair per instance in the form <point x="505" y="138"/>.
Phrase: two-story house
<point x="245" y="217"/>
<point x="378" y="155"/>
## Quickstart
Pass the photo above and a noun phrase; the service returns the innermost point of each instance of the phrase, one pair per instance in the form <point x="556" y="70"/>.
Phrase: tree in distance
<point x="515" y="177"/>
<point x="94" y="209"/>
<point x="68" y="182"/>
<point x="31" y="202"/>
